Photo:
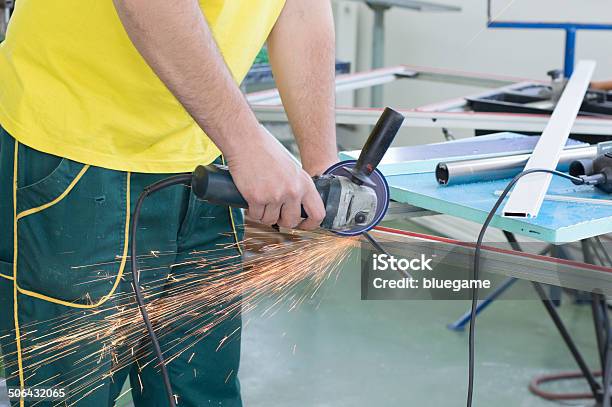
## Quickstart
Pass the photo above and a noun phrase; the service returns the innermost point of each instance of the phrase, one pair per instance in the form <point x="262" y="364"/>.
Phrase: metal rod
<point x="604" y="251"/>
<point x="450" y="114"/>
<point x="587" y="256"/>
<point x="607" y="377"/>
<point x="460" y="323"/>
<point x="607" y="352"/>
<point x="489" y="169"/>
<point x="548" y="26"/>
<point x="554" y="315"/>
<point x="601" y="319"/>
<point x="548" y="304"/>
<point x="599" y="336"/>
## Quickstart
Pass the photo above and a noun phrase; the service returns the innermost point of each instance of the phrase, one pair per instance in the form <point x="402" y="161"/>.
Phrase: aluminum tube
<point x="489" y="169"/>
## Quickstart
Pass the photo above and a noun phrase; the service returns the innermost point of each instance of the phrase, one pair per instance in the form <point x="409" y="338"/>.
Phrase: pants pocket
<point x="72" y="229"/>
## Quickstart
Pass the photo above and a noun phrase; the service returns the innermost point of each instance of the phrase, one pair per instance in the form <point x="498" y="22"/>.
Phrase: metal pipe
<point x="567" y="338"/>
<point x="489" y="169"/>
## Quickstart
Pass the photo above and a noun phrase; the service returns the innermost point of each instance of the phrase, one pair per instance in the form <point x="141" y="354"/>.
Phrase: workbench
<point x="416" y="187"/>
<point x="415" y="192"/>
<point x="413" y="182"/>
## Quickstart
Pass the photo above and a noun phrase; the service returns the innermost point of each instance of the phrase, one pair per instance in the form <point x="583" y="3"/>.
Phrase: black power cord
<point x="186" y="179"/>
<point x="485" y="225"/>
<point x="165" y="183"/>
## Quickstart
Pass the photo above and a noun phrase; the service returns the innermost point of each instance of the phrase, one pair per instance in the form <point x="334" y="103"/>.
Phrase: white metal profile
<point x="527" y="196"/>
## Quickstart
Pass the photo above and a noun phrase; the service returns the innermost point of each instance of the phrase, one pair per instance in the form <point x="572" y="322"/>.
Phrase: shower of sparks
<point x="214" y="287"/>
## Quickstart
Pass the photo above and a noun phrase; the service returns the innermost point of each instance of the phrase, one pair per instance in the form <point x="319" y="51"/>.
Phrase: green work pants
<point x="64" y="268"/>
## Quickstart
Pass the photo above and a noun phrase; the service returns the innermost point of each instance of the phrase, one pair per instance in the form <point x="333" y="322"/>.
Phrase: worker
<point x="602" y="85"/>
<point x="100" y="99"/>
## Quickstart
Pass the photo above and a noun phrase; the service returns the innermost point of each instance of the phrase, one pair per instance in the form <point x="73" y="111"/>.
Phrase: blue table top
<point x="557" y="222"/>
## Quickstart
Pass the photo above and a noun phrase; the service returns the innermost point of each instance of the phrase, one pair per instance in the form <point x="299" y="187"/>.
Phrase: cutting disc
<point x="380" y="187"/>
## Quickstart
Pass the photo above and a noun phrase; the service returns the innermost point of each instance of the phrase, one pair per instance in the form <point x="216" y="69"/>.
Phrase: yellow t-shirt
<point x="72" y="84"/>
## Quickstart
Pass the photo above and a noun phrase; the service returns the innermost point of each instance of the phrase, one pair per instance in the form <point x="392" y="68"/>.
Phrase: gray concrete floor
<point x="348" y="352"/>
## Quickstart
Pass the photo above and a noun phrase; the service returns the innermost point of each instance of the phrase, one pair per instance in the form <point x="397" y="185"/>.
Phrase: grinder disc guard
<point x="380" y="187"/>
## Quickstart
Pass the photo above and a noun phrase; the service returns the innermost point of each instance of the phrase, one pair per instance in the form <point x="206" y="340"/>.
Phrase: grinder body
<point x="355" y="193"/>
<point x="347" y="205"/>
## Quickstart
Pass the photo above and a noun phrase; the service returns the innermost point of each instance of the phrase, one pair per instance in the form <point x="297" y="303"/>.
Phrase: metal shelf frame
<point x="453" y="114"/>
<point x="570" y="28"/>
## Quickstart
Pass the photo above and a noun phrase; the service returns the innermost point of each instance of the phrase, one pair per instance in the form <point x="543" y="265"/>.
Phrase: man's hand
<point x="175" y="40"/>
<point x="276" y="194"/>
<point x="602" y="85"/>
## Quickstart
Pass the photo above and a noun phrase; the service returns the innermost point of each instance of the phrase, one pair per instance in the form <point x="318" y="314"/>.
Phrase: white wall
<point x="582" y="11"/>
<point x="461" y="41"/>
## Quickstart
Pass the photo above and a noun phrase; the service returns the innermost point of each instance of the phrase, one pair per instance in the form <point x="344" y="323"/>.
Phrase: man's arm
<point x="302" y="54"/>
<point x="602" y="85"/>
<point x="175" y="40"/>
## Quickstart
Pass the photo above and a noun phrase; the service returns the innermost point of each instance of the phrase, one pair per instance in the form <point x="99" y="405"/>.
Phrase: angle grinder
<point x="355" y="193"/>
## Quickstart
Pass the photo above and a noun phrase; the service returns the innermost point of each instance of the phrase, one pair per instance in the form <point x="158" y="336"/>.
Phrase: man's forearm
<point x="175" y="40"/>
<point x="302" y="53"/>
<point x="602" y="85"/>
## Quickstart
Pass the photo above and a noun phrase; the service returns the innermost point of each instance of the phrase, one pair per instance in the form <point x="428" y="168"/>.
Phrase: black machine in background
<point x="542" y="99"/>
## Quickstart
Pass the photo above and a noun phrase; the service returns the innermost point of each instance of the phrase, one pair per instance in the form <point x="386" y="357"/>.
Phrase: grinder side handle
<point x="377" y="144"/>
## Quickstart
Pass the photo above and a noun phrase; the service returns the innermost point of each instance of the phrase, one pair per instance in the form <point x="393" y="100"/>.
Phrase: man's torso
<point x="73" y="84"/>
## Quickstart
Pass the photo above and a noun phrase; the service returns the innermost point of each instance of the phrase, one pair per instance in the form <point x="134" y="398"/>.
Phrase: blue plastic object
<point x="570" y="35"/>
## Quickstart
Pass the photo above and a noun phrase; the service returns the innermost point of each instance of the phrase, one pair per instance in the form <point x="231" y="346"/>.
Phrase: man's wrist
<point x="319" y="166"/>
